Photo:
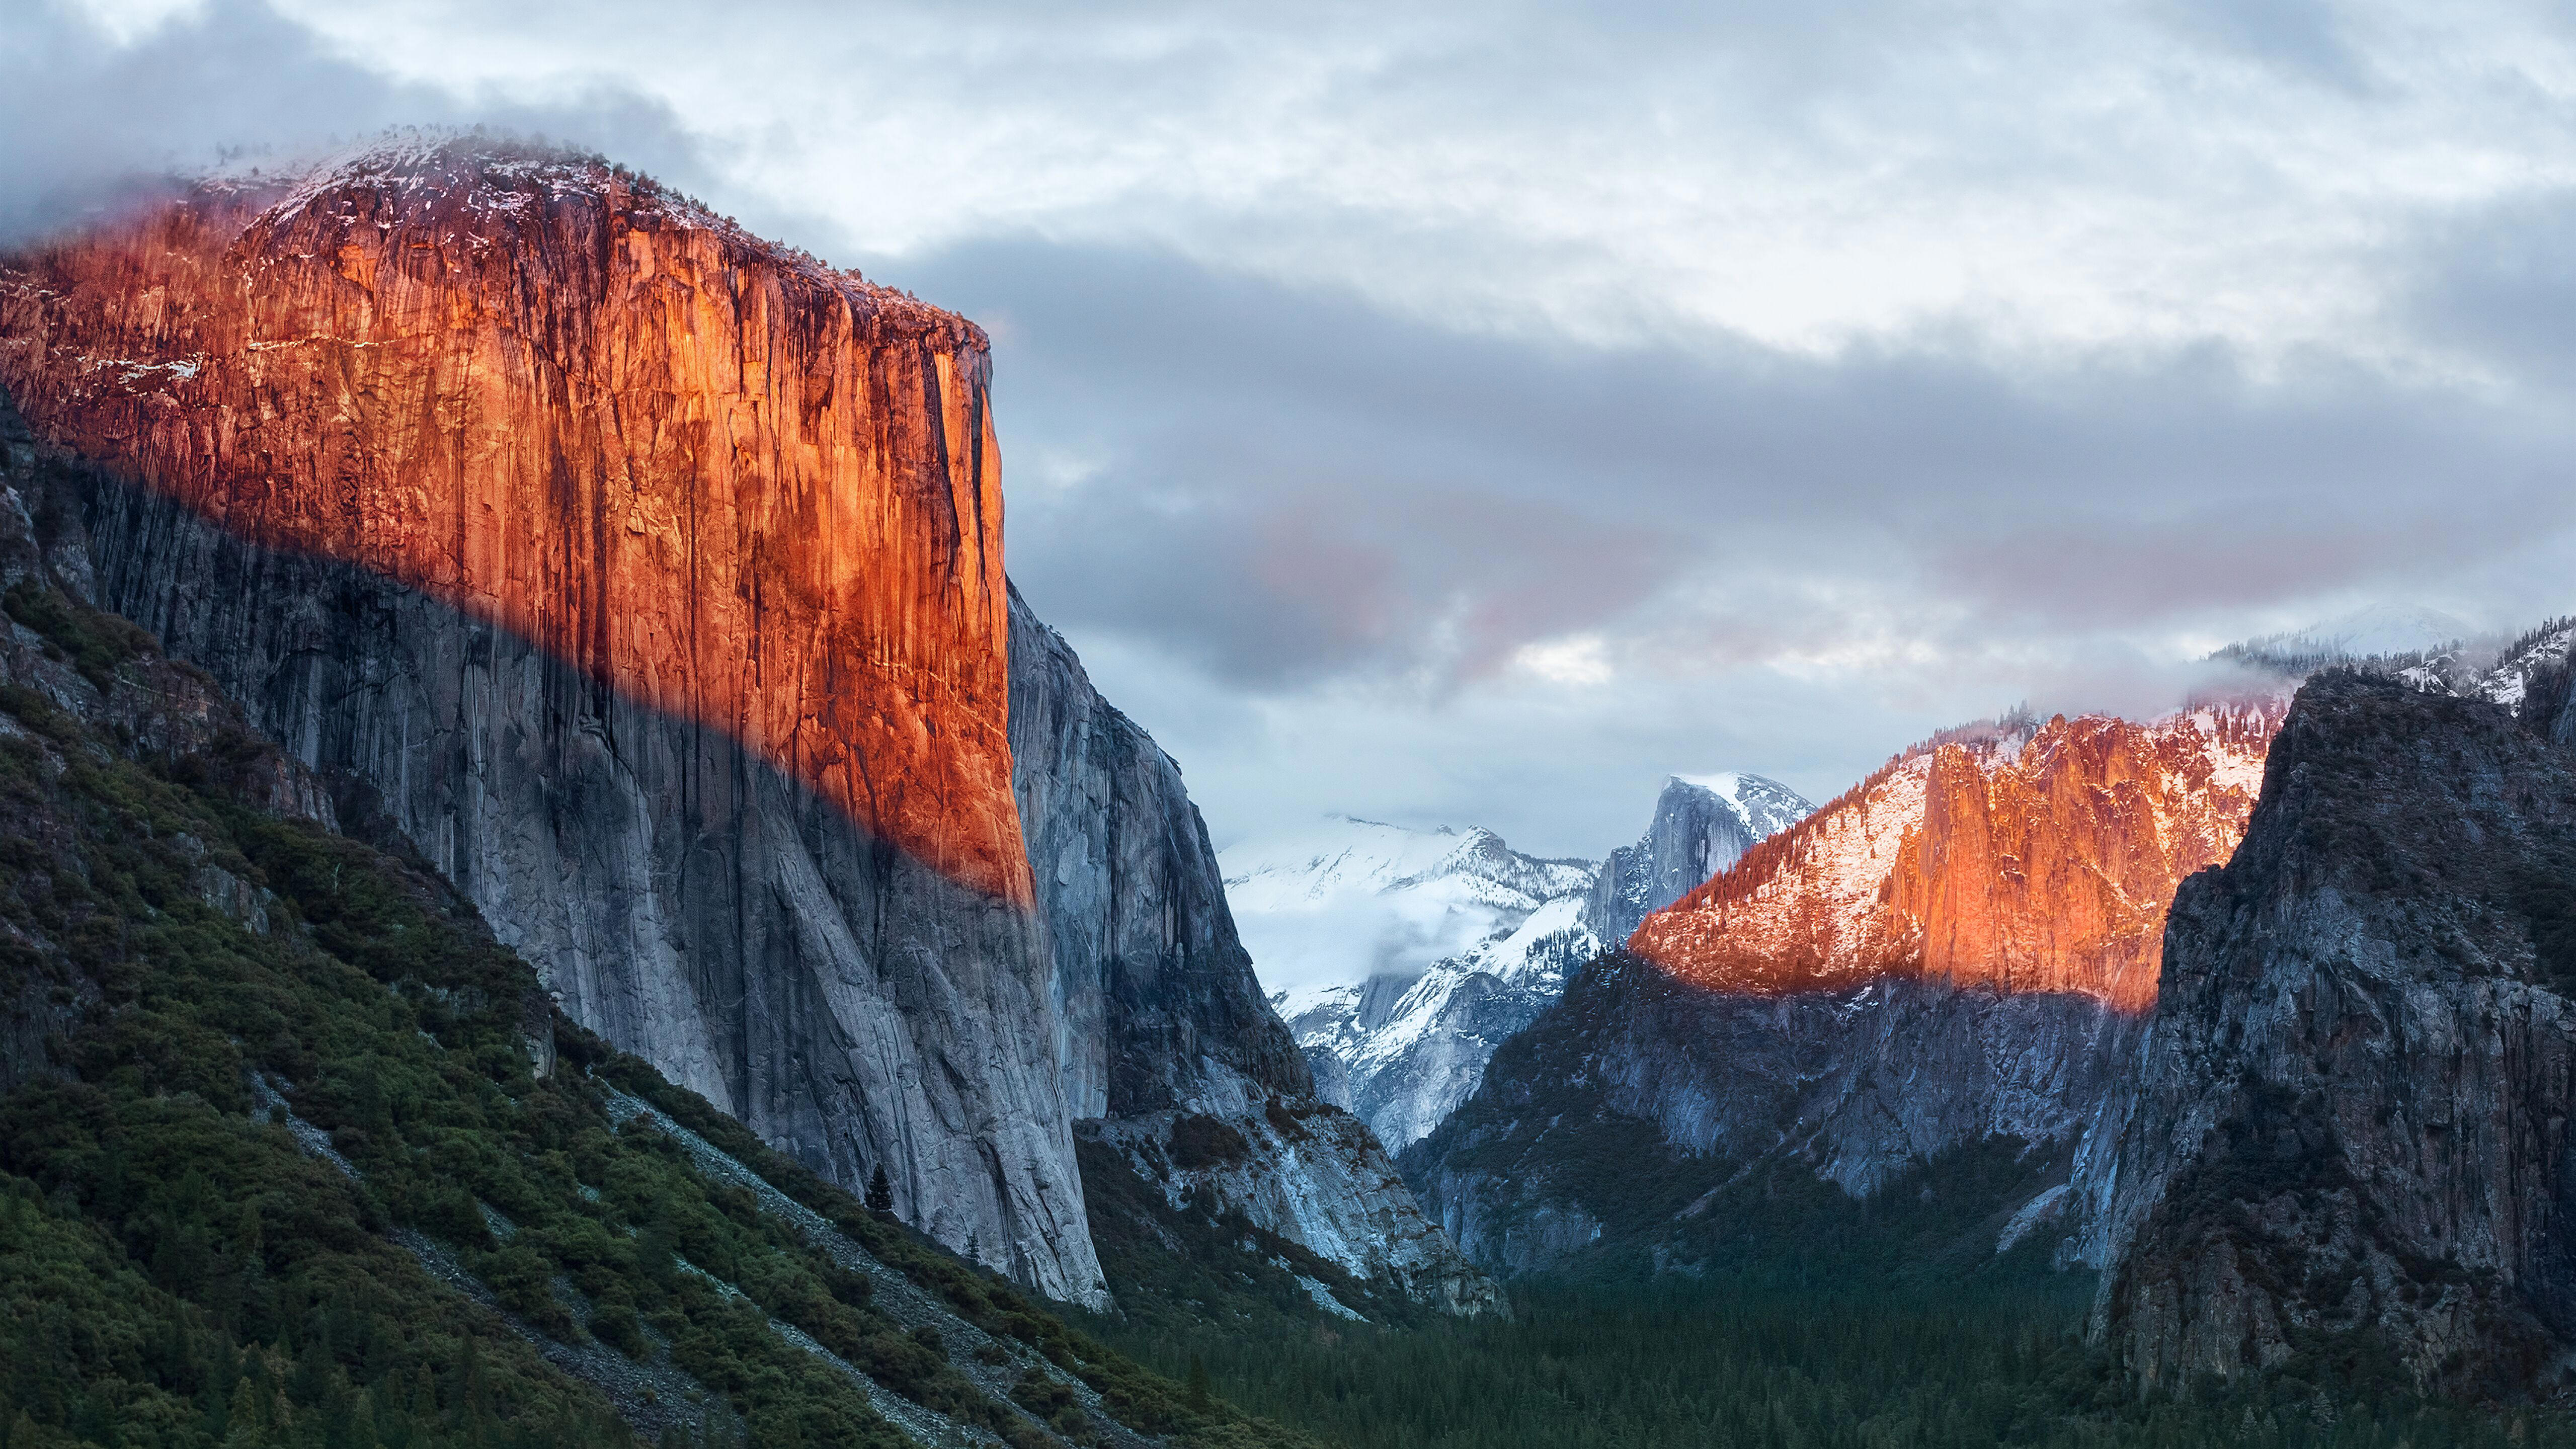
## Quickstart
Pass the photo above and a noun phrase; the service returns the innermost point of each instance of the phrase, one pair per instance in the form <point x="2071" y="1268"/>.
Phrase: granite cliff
<point x="1955" y="951"/>
<point x="646" y="580"/>
<point x="1173" y="1061"/>
<point x="1700" y="828"/>
<point x="2027" y="857"/>
<point x="2352" y="1107"/>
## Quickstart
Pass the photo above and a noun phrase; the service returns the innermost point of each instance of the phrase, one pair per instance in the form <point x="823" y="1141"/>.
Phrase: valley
<point x="557" y="892"/>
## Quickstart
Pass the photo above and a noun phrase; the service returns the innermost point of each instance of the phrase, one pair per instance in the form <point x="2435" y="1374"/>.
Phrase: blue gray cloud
<point x="1471" y="413"/>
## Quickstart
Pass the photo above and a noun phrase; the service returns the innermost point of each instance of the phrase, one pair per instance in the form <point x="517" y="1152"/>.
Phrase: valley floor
<point x="1799" y="1320"/>
<point x="1592" y="1366"/>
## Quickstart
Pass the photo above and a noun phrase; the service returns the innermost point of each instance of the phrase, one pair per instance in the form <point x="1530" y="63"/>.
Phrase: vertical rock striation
<point x="2352" y="1111"/>
<point x="2025" y="859"/>
<point x="1171" y="1054"/>
<point x="647" y="580"/>
<point x="1959" y="948"/>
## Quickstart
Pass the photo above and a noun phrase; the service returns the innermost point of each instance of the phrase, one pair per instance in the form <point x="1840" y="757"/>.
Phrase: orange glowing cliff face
<point x="718" y="477"/>
<point x="2038" y="862"/>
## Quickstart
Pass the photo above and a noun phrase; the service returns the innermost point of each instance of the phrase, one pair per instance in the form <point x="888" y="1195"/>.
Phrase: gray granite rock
<point x="1165" y="1029"/>
<point x="2352" y="1107"/>
<point x="686" y="900"/>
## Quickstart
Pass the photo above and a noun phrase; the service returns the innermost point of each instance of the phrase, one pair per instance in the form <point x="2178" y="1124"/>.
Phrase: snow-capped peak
<point x="1350" y="898"/>
<point x="2380" y="631"/>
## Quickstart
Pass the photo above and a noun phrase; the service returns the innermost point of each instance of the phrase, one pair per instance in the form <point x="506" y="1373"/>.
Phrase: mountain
<point x="294" y="1150"/>
<point x="1186" y="1085"/>
<point x="1403" y="1047"/>
<point x="2027" y="857"/>
<point x="1354" y="898"/>
<point x="1700" y="827"/>
<point x="645" y="579"/>
<point x="2377" y="631"/>
<point x="2351" y="1113"/>
<point x="1958" y="950"/>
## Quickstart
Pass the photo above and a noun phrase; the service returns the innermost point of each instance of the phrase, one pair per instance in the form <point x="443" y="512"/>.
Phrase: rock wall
<point x="1170" y="1052"/>
<point x="1853" y="1087"/>
<point x="2036" y="859"/>
<point x="1156" y="997"/>
<point x="1959" y="948"/>
<point x="1695" y="833"/>
<point x="648" y="581"/>
<point x="2353" y="1103"/>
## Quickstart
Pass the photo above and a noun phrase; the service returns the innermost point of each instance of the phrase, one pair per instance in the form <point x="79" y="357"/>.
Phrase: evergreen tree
<point x="880" y="1192"/>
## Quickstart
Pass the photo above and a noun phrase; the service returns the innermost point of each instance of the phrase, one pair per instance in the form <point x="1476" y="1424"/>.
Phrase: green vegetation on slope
<point x="177" y="1268"/>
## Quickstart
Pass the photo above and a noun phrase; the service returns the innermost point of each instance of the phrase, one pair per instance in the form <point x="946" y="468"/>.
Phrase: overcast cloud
<point x="1473" y="413"/>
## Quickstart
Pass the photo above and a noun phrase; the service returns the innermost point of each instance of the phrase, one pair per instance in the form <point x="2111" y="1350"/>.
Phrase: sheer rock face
<point x="1696" y="832"/>
<point x="1854" y="1086"/>
<point x="2024" y="862"/>
<point x="645" y="579"/>
<point x="1168" y="1041"/>
<point x="1961" y="947"/>
<point x="725" y="482"/>
<point x="2353" y="1106"/>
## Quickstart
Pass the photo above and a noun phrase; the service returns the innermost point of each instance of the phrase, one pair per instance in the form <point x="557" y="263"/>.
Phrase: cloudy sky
<point x="1475" y="412"/>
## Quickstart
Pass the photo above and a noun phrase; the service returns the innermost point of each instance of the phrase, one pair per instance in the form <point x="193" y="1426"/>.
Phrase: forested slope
<point x="292" y="1152"/>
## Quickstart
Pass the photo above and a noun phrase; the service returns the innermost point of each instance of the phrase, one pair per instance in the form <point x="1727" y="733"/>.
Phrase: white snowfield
<point x="2376" y="631"/>
<point x="1351" y="899"/>
<point x="1401" y="958"/>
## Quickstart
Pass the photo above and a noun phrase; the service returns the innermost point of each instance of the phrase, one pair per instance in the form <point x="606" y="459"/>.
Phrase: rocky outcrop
<point x="1157" y="999"/>
<point x="1958" y="949"/>
<point x="1699" y="829"/>
<point x="1171" y="1055"/>
<point x="2023" y="857"/>
<point x="645" y="579"/>
<point x="1703" y="1086"/>
<point x="2352" y="1110"/>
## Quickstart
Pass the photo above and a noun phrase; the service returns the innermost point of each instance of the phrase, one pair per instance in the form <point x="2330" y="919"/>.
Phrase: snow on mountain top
<point x="1351" y="898"/>
<point x="2372" y="632"/>
<point x="1764" y="805"/>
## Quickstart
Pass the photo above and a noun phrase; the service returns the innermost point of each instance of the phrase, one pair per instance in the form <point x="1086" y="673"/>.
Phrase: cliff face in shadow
<point x="646" y="580"/>
<point x="1173" y="1058"/>
<point x="2353" y="1107"/>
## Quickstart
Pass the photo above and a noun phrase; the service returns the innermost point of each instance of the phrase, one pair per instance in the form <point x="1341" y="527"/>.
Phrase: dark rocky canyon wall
<point x="1960" y="948"/>
<point x="647" y="580"/>
<point x="2353" y="1107"/>
<point x="1172" y="1057"/>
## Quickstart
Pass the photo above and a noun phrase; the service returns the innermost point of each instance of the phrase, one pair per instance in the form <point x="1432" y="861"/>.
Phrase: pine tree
<point x="1199" y="1385"/>
<point x="880" y="1192"/>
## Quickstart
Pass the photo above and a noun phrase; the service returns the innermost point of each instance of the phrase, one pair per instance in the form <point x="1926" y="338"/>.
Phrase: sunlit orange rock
<point x="2020" y="859"/>
<point x="740" y="486"/>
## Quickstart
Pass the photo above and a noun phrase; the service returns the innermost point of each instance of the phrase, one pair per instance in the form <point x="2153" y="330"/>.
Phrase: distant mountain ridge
<point x="1956" y="950"/>
<point x="1403" y="1046"/>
